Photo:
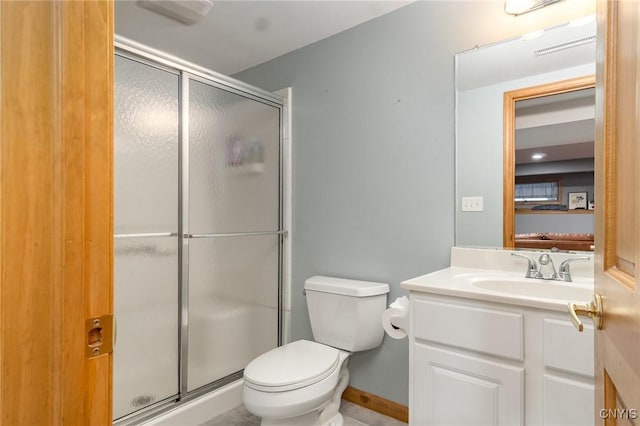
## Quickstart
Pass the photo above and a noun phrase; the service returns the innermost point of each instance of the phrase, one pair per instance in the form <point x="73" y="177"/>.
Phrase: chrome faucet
<point x="532" y="267"/>
<point x="546" y="270"/>
<point x="564" y="272"/>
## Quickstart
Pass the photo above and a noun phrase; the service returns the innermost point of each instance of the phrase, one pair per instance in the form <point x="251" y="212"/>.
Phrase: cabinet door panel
<point x="567" y="350"/>
<point x="453" y="389"/>
<point x="567" y="402"/>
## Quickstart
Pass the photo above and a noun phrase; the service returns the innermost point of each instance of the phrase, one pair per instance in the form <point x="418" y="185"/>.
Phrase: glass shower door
<point x="233" y="223"/>
<point x="146" y="242"/>
<point x="198" y="233"/>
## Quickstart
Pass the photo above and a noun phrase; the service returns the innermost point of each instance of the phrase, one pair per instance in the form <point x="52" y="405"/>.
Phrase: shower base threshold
<point x="201" y="409"/>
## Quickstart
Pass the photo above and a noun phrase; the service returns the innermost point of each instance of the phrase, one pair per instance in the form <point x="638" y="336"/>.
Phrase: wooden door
<point x="617" y="212"/>
<point x="56" y="233"/>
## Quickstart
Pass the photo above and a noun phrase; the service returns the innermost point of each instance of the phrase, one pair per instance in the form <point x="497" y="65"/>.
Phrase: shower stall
<point x="199" y="229"/>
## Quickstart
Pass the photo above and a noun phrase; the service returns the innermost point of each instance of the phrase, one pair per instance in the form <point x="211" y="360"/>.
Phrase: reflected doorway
<point x="548" y="165"/>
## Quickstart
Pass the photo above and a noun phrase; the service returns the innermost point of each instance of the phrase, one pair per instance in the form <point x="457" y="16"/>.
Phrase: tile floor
<point x="354" y="415"/>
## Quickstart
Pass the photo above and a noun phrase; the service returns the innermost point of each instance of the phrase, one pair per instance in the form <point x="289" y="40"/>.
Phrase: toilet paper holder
<point x="395" y="319"/>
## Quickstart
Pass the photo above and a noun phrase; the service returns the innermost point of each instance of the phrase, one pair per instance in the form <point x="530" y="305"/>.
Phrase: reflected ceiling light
<point x="518" y="7"/>
<point x="538" y="156"/>
<point x="533" y="35"/>
<point x="582" y="21"/>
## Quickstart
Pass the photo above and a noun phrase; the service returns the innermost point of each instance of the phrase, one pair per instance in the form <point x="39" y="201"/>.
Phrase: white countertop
<point x="458" y="282"/>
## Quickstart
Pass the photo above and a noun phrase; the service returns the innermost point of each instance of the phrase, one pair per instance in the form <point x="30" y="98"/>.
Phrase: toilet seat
<point x="292" y="366"/>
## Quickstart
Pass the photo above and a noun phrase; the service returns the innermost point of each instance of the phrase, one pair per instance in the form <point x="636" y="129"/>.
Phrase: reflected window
<point x="537" y="190"/>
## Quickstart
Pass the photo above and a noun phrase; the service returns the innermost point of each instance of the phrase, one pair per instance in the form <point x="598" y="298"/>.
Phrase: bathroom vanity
<point x="490" y="347"/>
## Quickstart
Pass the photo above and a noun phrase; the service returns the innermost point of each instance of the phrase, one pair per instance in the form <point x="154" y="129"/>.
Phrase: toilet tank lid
<point x="345" y="286"/>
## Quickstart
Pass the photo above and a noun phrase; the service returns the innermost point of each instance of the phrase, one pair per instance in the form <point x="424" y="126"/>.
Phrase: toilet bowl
<point x="301" y="383"/>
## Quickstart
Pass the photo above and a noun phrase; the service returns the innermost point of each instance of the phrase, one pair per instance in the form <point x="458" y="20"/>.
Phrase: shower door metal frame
<point x="187" y="71"/>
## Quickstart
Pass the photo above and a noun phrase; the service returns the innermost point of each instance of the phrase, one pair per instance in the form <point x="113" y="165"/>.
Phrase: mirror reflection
<point x="553" y="173"/>
<point x="539" y="144"/>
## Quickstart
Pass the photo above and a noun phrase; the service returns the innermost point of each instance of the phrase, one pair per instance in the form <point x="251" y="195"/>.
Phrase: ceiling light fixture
<point x="518" y="7"/>
<point x="538" y="156"/>
<point x="567" y="45"/>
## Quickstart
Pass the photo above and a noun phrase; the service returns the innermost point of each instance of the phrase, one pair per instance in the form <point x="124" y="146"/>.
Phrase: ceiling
<point x="560" y="127"/>
<point x="475" y="71"/>
<point x="237" y="35"/>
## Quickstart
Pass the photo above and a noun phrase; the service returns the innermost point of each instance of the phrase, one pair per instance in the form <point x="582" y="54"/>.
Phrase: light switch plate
<point x="472" y="204"/>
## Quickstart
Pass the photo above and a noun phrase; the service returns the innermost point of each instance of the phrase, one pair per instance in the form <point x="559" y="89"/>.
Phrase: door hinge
<point x="100" y="336"/>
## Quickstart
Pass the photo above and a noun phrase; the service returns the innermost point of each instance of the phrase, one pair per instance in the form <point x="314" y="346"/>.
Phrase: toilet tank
<point x="346" y="314"/>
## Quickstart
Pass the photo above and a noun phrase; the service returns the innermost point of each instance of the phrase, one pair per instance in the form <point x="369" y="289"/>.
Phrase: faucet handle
<point x="545" y="259"/>
<point x="547" y="262"/>
<point x="564" y="272"/>
<point x="532" y="266"/>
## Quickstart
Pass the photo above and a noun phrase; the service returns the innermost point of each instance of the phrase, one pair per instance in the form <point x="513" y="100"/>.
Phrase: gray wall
<point x="571" y="223"/>
<point x="373" y="153"/>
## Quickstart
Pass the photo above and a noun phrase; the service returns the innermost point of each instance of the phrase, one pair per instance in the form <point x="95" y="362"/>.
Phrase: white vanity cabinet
<point x="477" y="362"/>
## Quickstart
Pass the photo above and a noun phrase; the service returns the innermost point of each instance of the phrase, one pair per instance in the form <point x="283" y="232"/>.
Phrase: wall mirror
<point x="546" y="81"/>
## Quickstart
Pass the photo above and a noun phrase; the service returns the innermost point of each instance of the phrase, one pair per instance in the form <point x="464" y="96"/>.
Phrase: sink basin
<point x="540" y="289"/>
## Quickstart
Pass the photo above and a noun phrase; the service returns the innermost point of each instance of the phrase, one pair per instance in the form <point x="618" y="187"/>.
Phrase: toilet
<point x="301" y="383"/>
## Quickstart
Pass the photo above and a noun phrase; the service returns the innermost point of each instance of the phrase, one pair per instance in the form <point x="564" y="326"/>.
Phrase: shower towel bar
<point x="147" y="235"/>
<point x="144" y="249"/>
<point x="236" y="234"/>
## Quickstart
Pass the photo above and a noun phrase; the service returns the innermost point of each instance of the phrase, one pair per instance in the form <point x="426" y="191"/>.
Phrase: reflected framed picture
<point x="577" y="201"/>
